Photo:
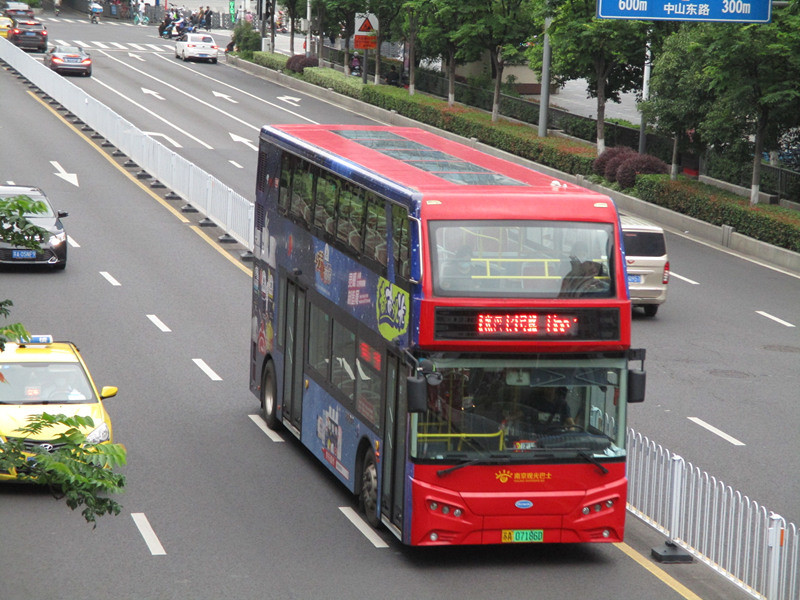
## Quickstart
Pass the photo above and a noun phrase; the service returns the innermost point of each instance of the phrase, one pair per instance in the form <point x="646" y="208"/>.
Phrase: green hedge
<point x="276" y="62"/>
<point x="768" y="223"/>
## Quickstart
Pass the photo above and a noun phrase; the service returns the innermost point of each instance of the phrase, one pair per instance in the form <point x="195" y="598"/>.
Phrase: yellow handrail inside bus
<point x="447" y="437"/>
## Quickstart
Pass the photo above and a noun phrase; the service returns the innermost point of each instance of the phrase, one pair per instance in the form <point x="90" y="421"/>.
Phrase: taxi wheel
<point x="269" y="397"/>
<point x="368" y="497"/>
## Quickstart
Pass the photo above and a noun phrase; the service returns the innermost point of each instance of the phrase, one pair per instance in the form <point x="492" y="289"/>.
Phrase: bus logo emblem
<point x="523" y="504"/>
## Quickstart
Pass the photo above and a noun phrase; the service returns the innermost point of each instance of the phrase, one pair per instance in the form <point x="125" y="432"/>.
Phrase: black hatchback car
<point x="28" y="34"/>
<point x="53" y="251"/>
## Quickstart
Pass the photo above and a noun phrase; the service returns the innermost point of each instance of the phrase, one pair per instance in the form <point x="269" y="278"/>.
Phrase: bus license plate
<point x="23" y="254"/>
<point x="634" y="279"/>
<point x="511" y="536"/>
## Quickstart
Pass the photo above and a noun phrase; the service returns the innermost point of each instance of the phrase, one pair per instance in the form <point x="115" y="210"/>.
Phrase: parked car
<point x="28" y="34"/>
<point x="647" y="263"/>
<point x="199" y="46"/>
<point x="69" y="59"/>
<point x="53" y="251"/>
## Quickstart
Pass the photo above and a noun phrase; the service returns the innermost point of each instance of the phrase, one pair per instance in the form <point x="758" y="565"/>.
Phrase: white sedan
<point x="196" y="45"/>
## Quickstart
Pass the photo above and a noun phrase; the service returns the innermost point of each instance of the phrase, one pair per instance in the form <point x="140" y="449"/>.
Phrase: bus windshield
<point x="501" y="407"/>
<point x="539" y="259"/>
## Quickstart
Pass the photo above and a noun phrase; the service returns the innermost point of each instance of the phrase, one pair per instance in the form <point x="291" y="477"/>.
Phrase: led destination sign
<point x="477" y="324"/>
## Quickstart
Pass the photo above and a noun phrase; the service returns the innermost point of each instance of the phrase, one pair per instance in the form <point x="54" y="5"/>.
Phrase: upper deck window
<point x="439" y="163"/>
<point x="536" y="259"/>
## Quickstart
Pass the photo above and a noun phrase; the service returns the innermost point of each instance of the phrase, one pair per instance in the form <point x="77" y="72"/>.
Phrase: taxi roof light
<point x="41" y="339"/>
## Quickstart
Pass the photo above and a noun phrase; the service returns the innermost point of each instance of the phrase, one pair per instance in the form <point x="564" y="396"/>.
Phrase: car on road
<point x="53" y="251"/>
<point x="68" y="59"/>
<point x="647" y="263"/>
<point x="28" y="34"/>
<point x="6" y="23"/>
<point x="197" y="46"/>
<point x="39" y="376"/>
<point x="18" y="10"/>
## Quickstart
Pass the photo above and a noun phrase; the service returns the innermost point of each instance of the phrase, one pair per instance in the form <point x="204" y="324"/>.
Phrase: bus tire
<point x="269" y="397"/>
<point x="368" y="497"/>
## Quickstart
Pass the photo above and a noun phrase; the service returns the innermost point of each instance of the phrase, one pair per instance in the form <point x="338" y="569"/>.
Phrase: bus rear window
<point x="539" y="259"/>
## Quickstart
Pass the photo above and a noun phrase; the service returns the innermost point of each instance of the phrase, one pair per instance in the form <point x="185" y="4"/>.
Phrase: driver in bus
<point x="552" y="407"/>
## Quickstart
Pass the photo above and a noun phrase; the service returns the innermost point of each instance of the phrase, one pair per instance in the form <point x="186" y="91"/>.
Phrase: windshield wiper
<point x="501" y="459"/>
<point x="590" y="458"/>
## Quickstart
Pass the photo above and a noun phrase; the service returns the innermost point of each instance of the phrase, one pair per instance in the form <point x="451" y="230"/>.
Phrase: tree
<point x="386" y="11"/>
<point x="499" y="26"/>
<point x="344" y="13"/>
<point x="78" y="471"/>
<point x="609" y="54"/>
<point x="679" y="95"/>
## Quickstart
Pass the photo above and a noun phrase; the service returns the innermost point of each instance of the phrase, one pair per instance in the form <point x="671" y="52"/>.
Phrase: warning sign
<point x="366" y="32"/>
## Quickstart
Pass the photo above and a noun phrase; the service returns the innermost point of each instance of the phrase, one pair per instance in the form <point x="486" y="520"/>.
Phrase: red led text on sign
<point x="527" y="324"/>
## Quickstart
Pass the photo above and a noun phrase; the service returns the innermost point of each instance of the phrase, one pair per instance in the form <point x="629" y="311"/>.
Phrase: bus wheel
<point x="269" y="397"/>
<point x="368" y="498"/>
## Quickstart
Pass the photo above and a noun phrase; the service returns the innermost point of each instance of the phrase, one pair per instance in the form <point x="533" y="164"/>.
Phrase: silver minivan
<point x="647" y="263"/>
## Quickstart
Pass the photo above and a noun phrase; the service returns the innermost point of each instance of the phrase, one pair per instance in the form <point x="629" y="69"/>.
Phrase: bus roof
<point x="438" y="168"/>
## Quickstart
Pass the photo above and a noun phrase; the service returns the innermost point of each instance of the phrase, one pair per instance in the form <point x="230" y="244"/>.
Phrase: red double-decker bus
<point x="448" y="332"/>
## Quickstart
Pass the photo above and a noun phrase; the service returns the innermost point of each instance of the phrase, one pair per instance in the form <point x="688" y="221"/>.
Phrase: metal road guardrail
<point x="741" y="540"/>
<point x="229" y="210"/>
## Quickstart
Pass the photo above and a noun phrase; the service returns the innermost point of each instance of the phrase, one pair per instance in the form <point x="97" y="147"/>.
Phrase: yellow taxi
<point x="5" y="24"/>
<point x="45" y="376"/>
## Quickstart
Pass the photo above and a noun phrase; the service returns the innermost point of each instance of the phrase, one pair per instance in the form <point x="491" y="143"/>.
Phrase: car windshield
<point x="44" y="383"/>
<point x="48" y="212"/>
<point x="532" y="259"/>
<point x="510" y="408"/>
<point x="66" y="50"/>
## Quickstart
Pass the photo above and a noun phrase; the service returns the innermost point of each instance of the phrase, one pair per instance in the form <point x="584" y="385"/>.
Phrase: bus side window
<point x="319" y="334"/>
<point x="401" y="242"/>
<point x="374" y="213"/>
<point x="350" y="213"/>
<point x="327" y="192"/>
<point x="287" y="168"/>
<point x="302" y="192"/>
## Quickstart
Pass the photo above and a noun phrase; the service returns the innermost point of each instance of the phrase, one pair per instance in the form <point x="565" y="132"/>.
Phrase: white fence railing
<point x="229" y="210"/>
<point x="743" y="541"/>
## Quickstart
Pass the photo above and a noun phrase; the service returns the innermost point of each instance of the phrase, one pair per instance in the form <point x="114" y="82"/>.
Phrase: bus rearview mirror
<point x="417" y="389"/>
<point x="636" y="385"/>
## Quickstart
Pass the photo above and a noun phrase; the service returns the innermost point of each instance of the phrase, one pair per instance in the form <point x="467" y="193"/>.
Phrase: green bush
<point x="270" y="60"/>
<point x="338" y="82"/>
<point x="246" y="39"/>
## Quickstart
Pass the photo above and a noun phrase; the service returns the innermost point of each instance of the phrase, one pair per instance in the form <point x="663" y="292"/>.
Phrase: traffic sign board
<point x="366" y="32"/>
<point x="733" y="11"/>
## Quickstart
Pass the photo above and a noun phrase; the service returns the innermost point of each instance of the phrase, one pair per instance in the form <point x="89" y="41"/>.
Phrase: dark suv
<point x="28" y="33"/>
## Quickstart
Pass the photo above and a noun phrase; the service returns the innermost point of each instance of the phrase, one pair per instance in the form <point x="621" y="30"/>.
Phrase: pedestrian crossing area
<point x="112" y="46"/>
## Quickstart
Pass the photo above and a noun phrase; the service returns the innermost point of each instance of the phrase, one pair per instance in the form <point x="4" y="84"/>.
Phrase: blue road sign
<point x="732" y="11"/>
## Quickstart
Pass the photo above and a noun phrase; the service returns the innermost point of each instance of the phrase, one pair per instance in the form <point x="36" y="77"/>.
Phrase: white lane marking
<point x="109" y="278"/>
<point x="157" y="48"/>
<point x="263" y="427"/>
<point x="235" y="164"/>
<point x="136" y="47"/>
<point x="150" y="537"/>
<point x="159" y="323"/>
<point x="80" y="43"/>
<point x="72" y="242"/>
<point x="686" y="279"/>
<point x="719" y="432"/>
<point x="206" y="369"/>
<point x="153" y="114"/>
<point x="776" y="319"/>
<point x="118" y="45"/>
<point x="101" y="45"/>
<point x="365" y="529"/>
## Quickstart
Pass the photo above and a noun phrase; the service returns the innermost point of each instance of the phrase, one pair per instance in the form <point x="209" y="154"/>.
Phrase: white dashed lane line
<point x="715" y="431"/>
<point x="159" y="323"/>
<point x="108" y="277"/>
<point x="206" y="369"/>
<point x="774" y="318"/>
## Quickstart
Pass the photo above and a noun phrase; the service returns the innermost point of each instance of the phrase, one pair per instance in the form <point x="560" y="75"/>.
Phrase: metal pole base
<point x="671" y="553"/>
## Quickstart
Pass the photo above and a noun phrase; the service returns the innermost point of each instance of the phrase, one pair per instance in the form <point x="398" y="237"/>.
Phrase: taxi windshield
<point x="44" y="383"/>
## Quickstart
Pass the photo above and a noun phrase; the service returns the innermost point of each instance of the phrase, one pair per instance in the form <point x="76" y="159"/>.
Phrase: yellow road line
<point x="666" y="578"/>
<point x="142" y="186"/>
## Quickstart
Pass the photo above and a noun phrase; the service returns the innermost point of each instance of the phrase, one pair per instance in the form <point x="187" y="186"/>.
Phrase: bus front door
<point x="294" y="357"/>
<point x="394" y="445"/>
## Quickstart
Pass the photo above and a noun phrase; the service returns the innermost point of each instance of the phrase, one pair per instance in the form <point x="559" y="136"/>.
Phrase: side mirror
<point x="417" y="392"/>
<point x="636" y="385"/>
<point x="108" y="391"/>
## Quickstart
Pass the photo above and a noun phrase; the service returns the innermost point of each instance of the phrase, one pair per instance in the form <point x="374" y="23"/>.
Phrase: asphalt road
<point x="241" y="515"/>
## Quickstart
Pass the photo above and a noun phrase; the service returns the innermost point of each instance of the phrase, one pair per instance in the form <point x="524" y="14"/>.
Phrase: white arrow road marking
<point x="228" y="98"/>
<point x="263" y="427"/>
<point x="152" y="93"/>
<point x="60" y="172"/>
<point x="150" y="537"/>
<point x="165" y="136"/>
<point x="206" y="369"/>
<point x="243" y="140"/>
<point x="365" y="529"/>
<point x="290" y="100"/>
<point x="136" y="56"/>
